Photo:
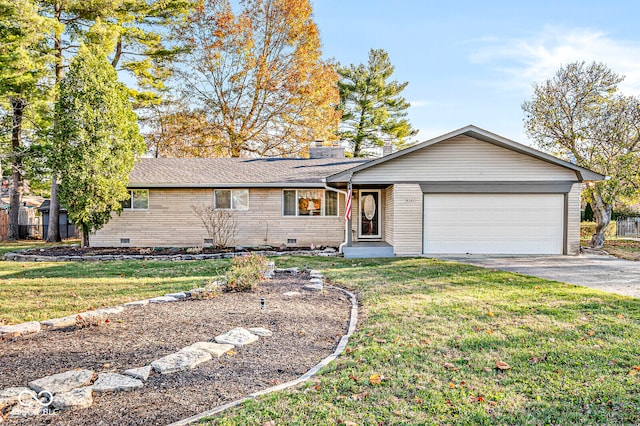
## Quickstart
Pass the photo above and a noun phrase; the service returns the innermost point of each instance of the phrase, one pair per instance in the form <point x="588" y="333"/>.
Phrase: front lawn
<point x="624" y="249"/>
<point x="35" y="291"/>
<point x="431" y="334"/>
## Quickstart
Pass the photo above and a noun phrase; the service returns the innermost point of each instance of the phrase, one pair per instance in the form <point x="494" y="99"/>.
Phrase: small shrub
<point x="90" y="320"/>
<point x="588" y="228"/>
<point x="245" y="273"/>
<point x="194" y="250"/>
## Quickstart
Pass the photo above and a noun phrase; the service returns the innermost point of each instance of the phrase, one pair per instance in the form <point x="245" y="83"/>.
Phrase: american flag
<point x="347" y="207"/>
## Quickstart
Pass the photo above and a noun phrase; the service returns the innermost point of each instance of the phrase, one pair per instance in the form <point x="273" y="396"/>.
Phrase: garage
<point x="494" y="223"/>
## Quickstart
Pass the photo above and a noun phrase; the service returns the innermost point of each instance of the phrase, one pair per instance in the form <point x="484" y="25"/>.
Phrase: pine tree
<point x="373" y="111"/>
<point x="96" y="141"/>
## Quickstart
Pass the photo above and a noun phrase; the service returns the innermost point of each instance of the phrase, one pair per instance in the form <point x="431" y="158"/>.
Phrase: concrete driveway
<point x="606" y="273"/>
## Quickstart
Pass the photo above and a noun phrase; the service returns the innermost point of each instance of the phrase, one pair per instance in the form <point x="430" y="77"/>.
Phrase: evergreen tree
<point x="95" y="142"/>
<point x="373" y="111"/>
<point x="23" y="64"/>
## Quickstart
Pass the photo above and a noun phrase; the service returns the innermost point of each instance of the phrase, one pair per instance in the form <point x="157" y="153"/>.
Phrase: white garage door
<point x="493" y="223"/>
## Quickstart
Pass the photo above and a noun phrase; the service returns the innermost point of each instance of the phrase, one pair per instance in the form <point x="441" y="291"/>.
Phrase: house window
<point x="231" y="199"/>
<point x="310" y="202"/>
<point x="138" y="200"/>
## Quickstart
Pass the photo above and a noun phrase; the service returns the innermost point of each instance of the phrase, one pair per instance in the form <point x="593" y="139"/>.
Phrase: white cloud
<point x="532" y="60"/>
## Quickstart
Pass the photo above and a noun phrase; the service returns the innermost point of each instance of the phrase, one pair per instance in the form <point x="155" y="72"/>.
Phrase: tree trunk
<point x="602" y="213"/>
<point x="85" y="236"/>
<point x="53" y="233"/>
<point x="17" y="187"/>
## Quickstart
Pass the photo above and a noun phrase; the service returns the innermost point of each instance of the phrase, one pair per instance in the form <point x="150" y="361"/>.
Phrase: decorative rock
<point x="176" y="295"/>
<point x="114" y="382"/>
<point x="62" y="382"/>
<point x="215" y="349"/>
<point x="261" y="331"/>
<point x="76" y="398"/>
<point x="237" y="337"/>
<point x="24" y="328"/>
<point x="60" y="322"/>
<point x="316" y="281"/>
<point x="111" y="311"/>
<point x="90" y="315"/>
<point x="163" y="299"/>
<point x="287" y="270"/>
<point x="141" y="373"/>
<point x="137" y="303"/>
<point x="313" y="287"/>
<point x="315" y="272"/>
<point x="9" y="396"/>
<point x="291" y="294"/>
<point x="186" y="359"/>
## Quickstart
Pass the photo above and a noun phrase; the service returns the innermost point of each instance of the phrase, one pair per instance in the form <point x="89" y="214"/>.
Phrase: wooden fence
<point x="629" y="227"/>
<point x="4" y="224"/>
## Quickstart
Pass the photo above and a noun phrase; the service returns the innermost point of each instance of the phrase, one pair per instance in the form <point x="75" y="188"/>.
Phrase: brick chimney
<point x="318" y="150"/>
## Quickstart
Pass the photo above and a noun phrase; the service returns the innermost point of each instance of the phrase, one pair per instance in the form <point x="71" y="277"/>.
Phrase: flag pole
<point x="347" y="214"/>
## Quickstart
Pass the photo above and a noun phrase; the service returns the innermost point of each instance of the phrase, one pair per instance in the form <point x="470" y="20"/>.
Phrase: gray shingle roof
<point x="235" y="172"/>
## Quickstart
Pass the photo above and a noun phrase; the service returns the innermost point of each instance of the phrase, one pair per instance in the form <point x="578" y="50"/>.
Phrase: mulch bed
<point x="147" y="251"/>
<point x="305" y="330"/>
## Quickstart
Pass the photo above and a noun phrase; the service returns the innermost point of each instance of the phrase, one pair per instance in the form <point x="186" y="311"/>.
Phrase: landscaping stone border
<point x="342" y="345"/>
<point x="21" y="257"/>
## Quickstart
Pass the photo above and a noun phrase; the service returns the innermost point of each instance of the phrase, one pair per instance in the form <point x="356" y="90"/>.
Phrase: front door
<point x="369" y="221"/>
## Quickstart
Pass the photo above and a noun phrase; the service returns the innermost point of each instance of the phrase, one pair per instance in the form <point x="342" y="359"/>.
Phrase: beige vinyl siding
<point x="407" y="223"/>
<point x="389" y="215"/>
<point x="464" y="159"/>
<point x="573" y="219"/>
<point x="171" y="222"/>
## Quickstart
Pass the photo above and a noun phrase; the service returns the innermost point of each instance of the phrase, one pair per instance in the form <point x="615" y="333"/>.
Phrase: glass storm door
<point x="369" y="220"/>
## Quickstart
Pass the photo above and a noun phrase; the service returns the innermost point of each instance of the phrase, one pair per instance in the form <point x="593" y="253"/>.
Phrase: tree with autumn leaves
<point x="256" y="77"/>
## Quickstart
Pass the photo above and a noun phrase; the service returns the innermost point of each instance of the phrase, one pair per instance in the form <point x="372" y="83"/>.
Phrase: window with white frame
<point x="138" y="200"/>
<point x="309" y="202"/>
<point x="231" y="199"/>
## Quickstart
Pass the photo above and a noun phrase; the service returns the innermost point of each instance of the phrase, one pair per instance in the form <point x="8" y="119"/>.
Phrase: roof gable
<point x="475" y="133"/>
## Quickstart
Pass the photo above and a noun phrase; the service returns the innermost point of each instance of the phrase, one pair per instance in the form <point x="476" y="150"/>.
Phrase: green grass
<point x="624" y="249"/>
<point x="572" y="352"/>
<point x="35" y="291"/>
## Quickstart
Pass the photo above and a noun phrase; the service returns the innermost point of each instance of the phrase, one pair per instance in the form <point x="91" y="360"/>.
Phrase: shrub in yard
<point x="588" y="228"/>
<point x="245" y="273"/>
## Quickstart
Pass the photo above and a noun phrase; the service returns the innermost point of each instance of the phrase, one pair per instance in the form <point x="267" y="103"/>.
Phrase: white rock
<point x="291" y="294"/>
<point x="24" y="328"/>
<point x="141" y="373"/>
<point x="316" y="281"/>
<point x="76" y="398"/>
<point x="260" y="331"/>
<point x="137" y="303"/>
<point x="60" y="322"/>
<point x="114" y="382"/>
<point x="63" y="382"/>
<point x="93" y="315"/>
<point x="315" y="272"/>
<point x="177" y="295"/>
<point x="111" y="311"/>
<point x="163" y="299"/>
<point x="9" y="396"/>
<point x="186" y="359"/>
<point x="237" y="337"/>
<point x="215" y="349"/>
<point x="313" y="287"/>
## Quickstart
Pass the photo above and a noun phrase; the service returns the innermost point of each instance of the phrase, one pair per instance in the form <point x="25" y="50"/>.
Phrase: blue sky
<point x="474" y="62"/>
